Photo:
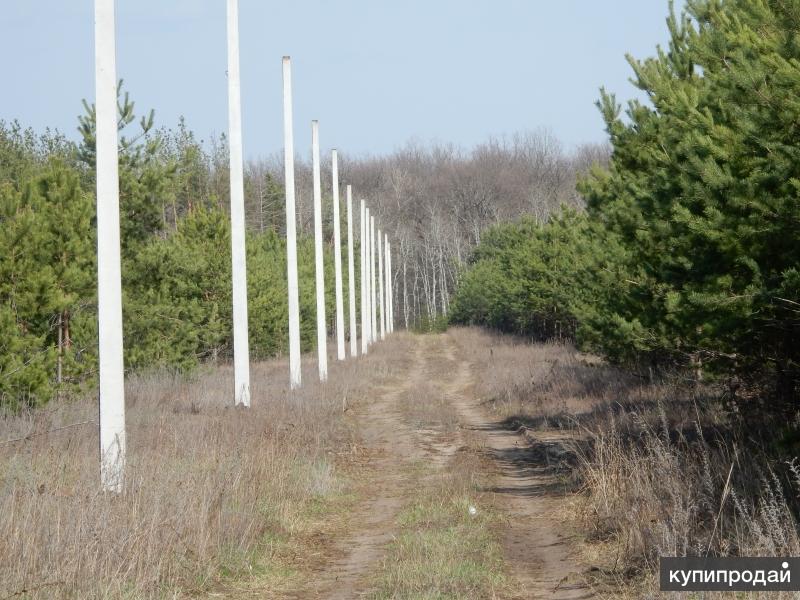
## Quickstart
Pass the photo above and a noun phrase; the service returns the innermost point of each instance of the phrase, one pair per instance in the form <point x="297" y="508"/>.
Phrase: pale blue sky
<point x="376" y="73"/>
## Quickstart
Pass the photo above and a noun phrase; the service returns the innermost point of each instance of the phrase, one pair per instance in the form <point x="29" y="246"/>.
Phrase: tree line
<point x="436" y="201"/>
<point x="174" y="196"/>
<point x="175" y="250"/>
<point x="687" y="252"/>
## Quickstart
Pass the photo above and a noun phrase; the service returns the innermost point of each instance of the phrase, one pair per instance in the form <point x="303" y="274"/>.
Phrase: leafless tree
<point x="436" y="201"/>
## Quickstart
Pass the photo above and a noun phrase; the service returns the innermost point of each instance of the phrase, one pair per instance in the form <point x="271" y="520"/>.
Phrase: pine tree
<point x="144" y="177"/>
<point x="703" y="192"/>
<point x="46" y="277"/>
<point x="67" y="249"/>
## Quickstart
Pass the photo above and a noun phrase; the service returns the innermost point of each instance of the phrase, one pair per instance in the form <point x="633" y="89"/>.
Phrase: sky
<point x="376" y="73"/>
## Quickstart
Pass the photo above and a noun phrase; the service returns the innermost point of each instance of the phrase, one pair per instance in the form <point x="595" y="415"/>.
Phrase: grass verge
<point x="446" y="545"/>
<point x="663" y="468"/>
<point x="445" y="549"/>
<point x="217" y="500"/>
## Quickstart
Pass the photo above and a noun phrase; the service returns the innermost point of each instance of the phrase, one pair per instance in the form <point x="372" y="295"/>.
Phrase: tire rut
<point x="392" y="446"/>
<point x="540" y="558"/>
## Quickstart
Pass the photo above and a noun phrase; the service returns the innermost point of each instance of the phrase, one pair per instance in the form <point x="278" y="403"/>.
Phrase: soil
<point x="540" y="557"/>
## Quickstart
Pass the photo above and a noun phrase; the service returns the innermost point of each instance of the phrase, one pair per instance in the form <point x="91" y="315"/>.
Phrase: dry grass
<point x="675" y="489"/>
<point x="216" y="498"/>
<point x="446" y="546"/>
<point x="663" y="471"/>
<point x="428" y="408"/>
<point x="543" y="383"/>
<point x="426" y="405"/>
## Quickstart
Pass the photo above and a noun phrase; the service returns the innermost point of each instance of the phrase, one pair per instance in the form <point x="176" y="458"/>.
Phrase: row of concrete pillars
<point x="375" y="258"/>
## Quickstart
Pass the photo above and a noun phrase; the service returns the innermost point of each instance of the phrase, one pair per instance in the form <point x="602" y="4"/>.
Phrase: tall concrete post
<point x="390" y="279"/>
<point x="337" y="257"/>
<point x="368" y="273"/>
<point x="362" y="256"/>
<point x="241" y="350"/>
<point x="109" y="271"/>
<point x="394" y="321"/>
<point x="351" y="279"/>
<point x="387" y="259"/>
<point x="322" y="333"/>
<point x="295" y="377"/>
<point x="372" y="282"/>
<point x="381" y="288"/>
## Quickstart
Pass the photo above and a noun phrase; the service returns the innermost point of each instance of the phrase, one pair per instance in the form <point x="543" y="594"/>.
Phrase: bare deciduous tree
<point x="436" y="201"/>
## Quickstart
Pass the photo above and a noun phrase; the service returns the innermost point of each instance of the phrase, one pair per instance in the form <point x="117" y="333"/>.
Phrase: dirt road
<point x="402" y="434"/>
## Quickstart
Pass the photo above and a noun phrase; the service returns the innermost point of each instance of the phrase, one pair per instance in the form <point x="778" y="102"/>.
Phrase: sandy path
<point x="391" y="445"/>
<point x="538" y="556"/>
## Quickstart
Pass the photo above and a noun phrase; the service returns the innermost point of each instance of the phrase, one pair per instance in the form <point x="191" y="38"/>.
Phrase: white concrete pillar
<point x="109" y="272"/>
<point x="351" y="279"/>
<point x="381" y="289"/>
<point x="372" y="282"/>
<point x="386" y="268"/>
<point x="390" y="279"/>
<point x="241" y="350"/>
<point x="368" y="280"/>
<point x="322" y="333"/>
<point x="295" y="377"/>
<point x="387" y="259"/>
<point x="337" y="257"/>
<point x="362" y="256"/>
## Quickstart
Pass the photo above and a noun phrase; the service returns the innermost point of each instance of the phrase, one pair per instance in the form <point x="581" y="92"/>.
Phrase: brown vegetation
<point x="262" y="501"/>
<point x="215" y="496"/>
<point x="660" y="469"/>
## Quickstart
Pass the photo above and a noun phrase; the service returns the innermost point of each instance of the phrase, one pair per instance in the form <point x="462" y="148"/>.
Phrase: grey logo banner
<point x="731" y="574"/>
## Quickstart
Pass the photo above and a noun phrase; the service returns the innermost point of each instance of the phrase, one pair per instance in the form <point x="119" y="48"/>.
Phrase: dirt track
<point x="539" y="559"/>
